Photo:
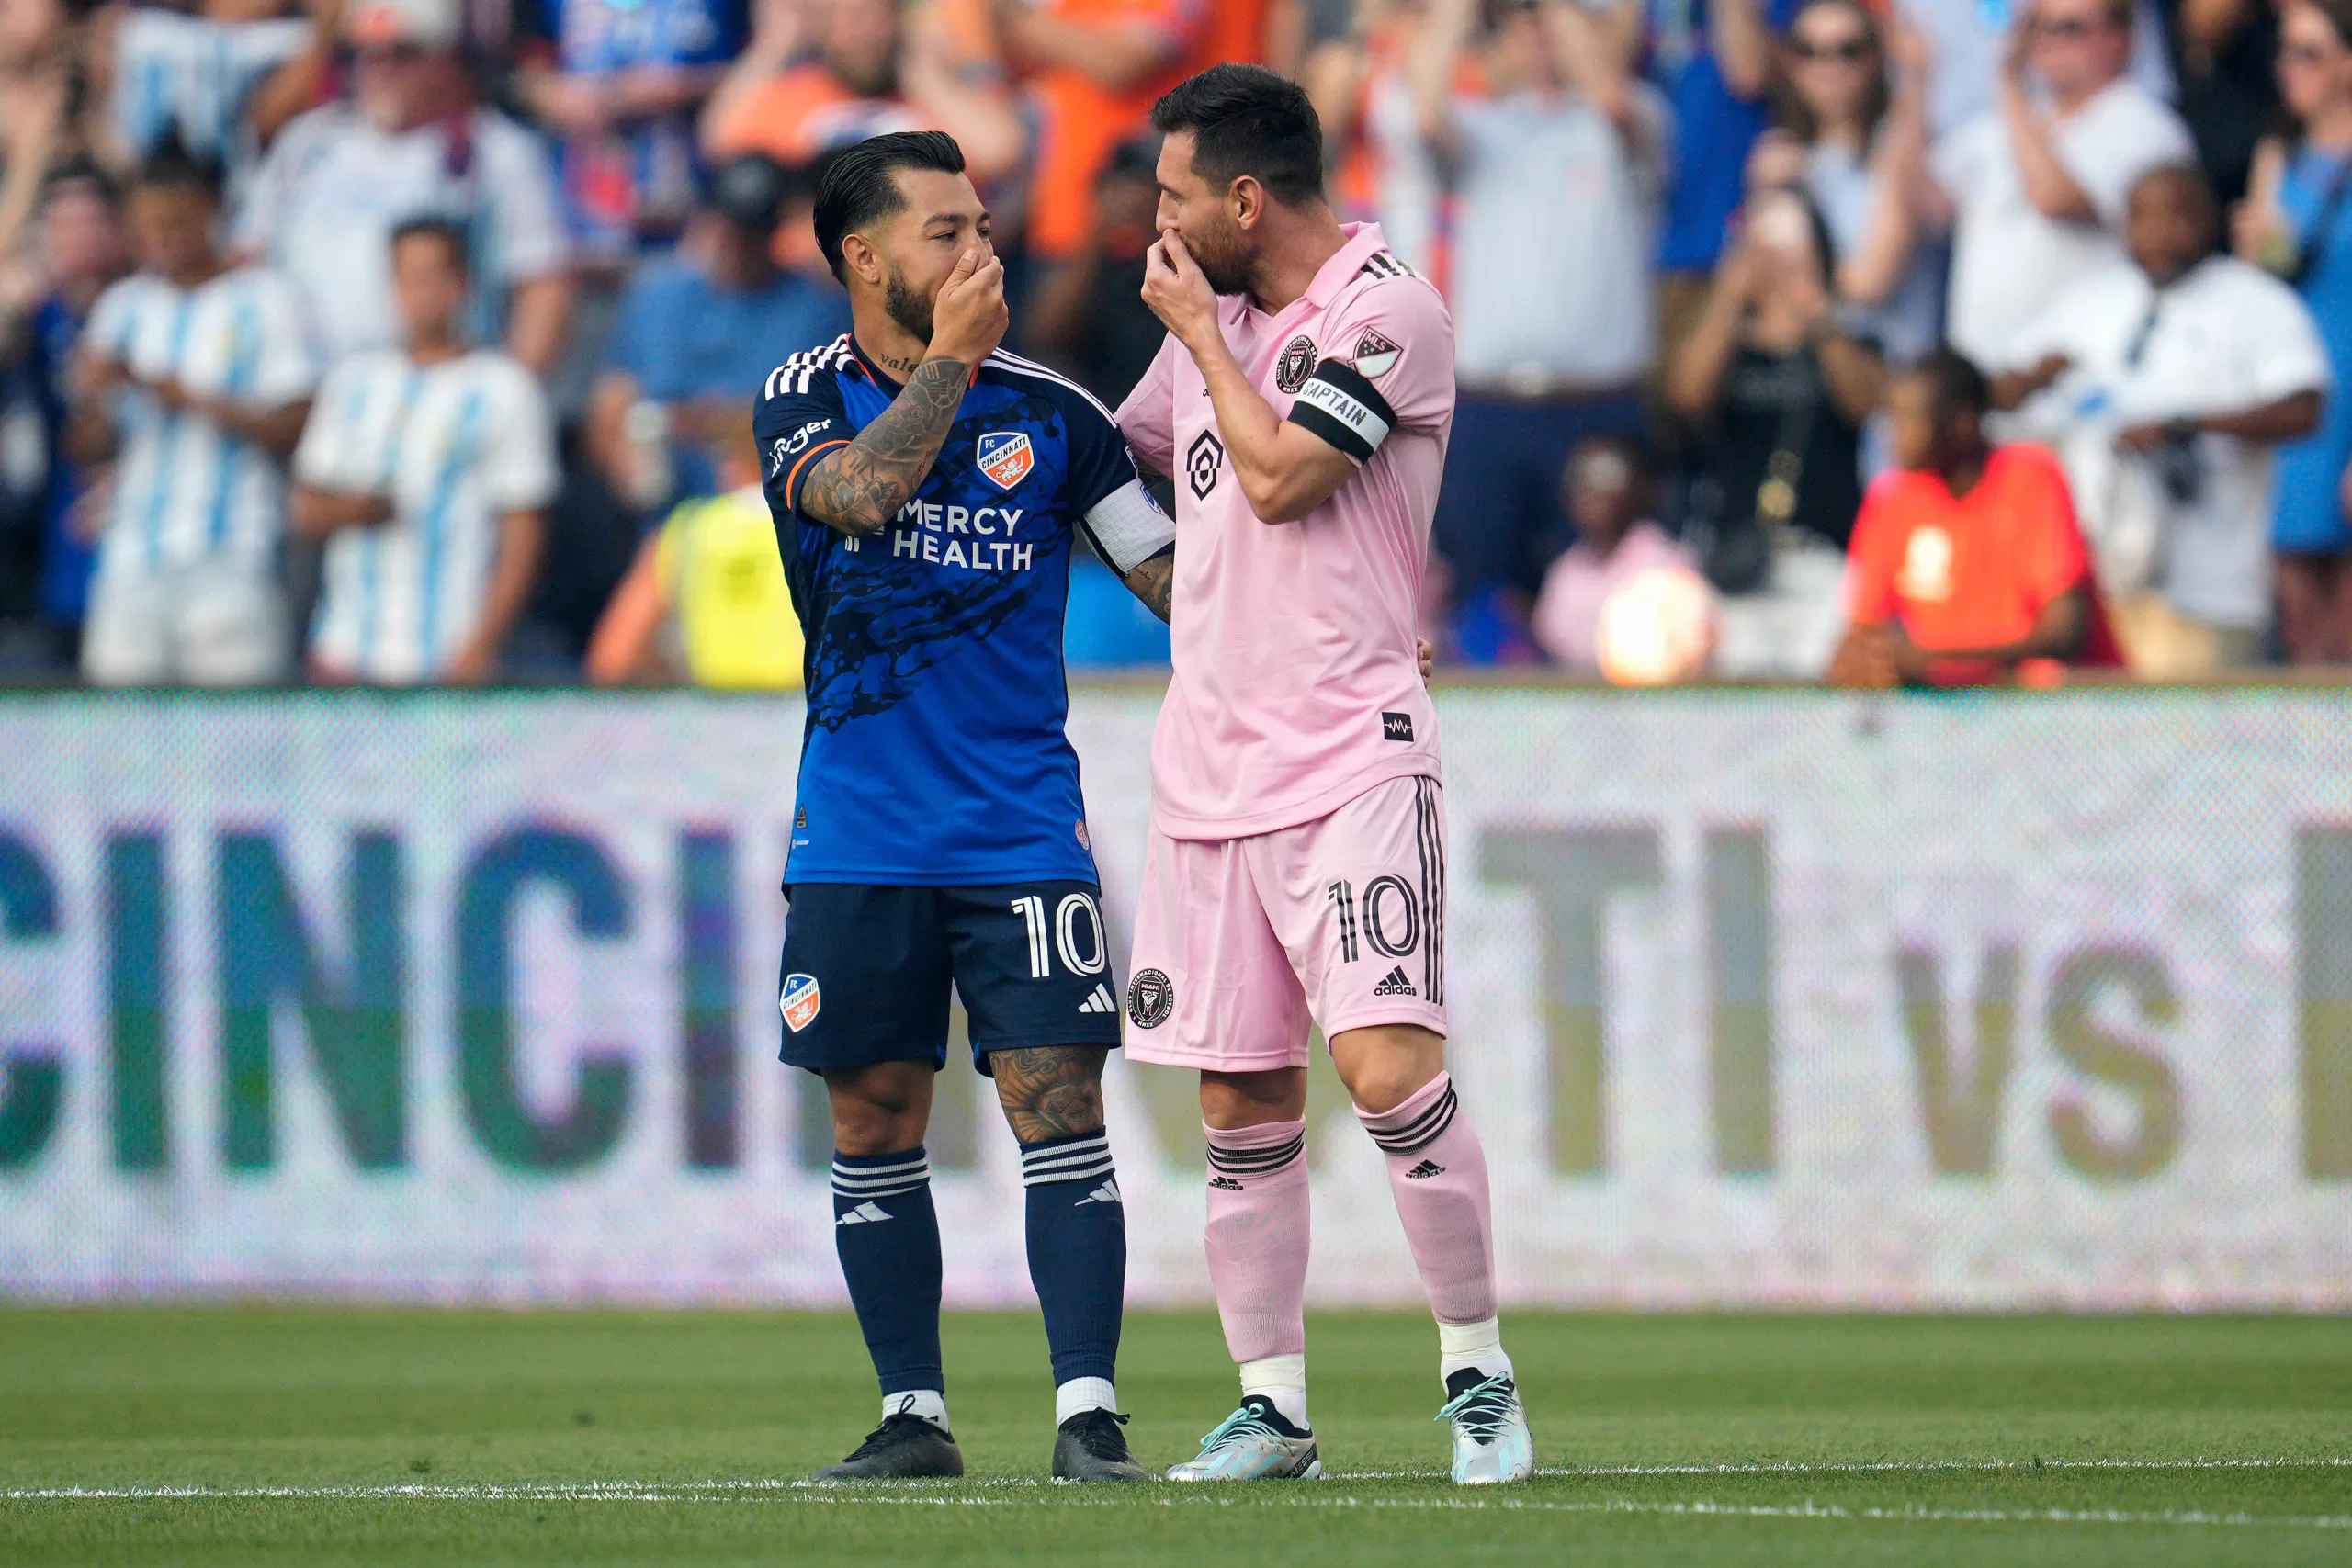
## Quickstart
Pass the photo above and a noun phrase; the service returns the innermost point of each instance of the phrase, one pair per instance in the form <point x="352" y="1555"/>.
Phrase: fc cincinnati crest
<point x="1374" y="354"/>
<point x="799" y="1001"/>
<point x="1006" y="457"/>
<point x="1295" y="366"/>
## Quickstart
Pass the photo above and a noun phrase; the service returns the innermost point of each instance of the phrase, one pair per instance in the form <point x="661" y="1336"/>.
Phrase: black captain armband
<point x="1344" y="409"/>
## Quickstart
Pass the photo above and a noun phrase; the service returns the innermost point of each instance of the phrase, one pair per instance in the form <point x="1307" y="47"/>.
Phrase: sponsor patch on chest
<point x="1006" y="457"/>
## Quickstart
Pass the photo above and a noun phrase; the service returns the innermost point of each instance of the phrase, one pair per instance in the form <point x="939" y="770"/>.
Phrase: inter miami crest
<point x="1203" y="460"/>
<point x="1151" y="997"/>
<point x="1296" y="364"/>
<point x="1006" y="457"/>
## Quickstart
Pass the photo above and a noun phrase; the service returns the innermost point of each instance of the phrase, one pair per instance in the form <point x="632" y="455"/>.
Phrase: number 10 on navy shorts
<point x="866" y="971"/>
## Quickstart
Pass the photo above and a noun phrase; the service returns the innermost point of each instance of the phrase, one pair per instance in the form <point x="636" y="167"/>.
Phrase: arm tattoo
<point x="1154" y="582"/>
<point x="860" y="487"/>
<point x="1050" y="1092"/>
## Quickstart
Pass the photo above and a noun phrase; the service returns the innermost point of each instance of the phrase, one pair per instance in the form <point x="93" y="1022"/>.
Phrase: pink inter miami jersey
<point x="1296" y="688"/>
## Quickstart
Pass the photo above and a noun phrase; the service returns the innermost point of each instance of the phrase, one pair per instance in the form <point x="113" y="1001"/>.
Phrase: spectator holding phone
<point x="1778" y="389"/>
<point x="2172" y="379"/>
<point x="2296" y="221"/>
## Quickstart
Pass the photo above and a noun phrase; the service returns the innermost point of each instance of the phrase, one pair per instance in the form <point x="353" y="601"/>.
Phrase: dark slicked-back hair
<point x="859" y="187"/>
<point x="1959" y="385"/>
<point x="1245" y="119"/>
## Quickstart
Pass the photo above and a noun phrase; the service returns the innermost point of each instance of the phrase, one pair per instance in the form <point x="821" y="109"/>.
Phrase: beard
<point x="1223" y="256"/>
<point x="910" y="309"/>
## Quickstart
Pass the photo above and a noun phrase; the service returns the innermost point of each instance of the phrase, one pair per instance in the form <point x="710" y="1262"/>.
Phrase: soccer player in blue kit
<point x="926" y="488"/>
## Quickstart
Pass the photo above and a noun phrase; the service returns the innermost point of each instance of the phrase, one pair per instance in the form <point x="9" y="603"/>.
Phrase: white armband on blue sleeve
<point x="1129" y="528"/>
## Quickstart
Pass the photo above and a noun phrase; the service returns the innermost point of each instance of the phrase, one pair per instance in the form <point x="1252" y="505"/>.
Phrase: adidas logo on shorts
<point x="1099" y="1000"/>
<point x="1424" y="1170"/>
<point x="1394" y="984"/>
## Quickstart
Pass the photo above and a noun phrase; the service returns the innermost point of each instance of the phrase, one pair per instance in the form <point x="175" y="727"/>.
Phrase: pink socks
<point x="1437" y="1173"/>
<point x="1257" y="1237"/>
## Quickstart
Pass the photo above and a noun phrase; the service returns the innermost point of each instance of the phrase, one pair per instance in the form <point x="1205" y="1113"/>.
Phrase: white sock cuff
<point x="1478" y="1344"/>
<point x="1081" y="1395"/>
<point x="928" y="1403"/>
<point x="1269" y="1374"/>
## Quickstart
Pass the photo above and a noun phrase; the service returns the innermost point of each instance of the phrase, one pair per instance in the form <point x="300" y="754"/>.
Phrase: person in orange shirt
<point x="1094" y="69"/>
<point x="1966" y="566"/>
<point x="870" y="70"/>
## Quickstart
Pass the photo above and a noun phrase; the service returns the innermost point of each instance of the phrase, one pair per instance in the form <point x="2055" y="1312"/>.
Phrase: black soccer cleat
<point x="1090" y="1447"/>
<point x="904" y="1448"/>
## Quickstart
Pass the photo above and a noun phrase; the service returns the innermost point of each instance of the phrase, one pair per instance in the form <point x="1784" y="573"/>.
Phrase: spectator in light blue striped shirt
<point x="427" y="469"/>
<point x="195" y="376"/>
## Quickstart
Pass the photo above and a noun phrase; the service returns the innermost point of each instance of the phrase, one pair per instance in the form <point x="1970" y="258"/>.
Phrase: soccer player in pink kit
<point x="1296" y="868"/>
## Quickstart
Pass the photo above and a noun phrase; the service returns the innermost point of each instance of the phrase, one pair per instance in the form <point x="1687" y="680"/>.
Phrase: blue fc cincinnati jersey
<point x="935" y="751"/>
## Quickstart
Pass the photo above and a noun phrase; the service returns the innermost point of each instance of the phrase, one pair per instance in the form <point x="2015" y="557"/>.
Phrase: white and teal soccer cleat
<point x="1254" y="1443"/>
<point x="1490" y="1438"/>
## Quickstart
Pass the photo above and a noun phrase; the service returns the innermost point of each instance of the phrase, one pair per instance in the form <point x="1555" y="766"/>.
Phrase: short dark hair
<point x="169" y="165"/>
<point x="1245" y="119"/>
<point x="80" y="173"/>
<point x="1959" y="385"/>
<point x="435" y="226"/>
<point x="858" y="186"/>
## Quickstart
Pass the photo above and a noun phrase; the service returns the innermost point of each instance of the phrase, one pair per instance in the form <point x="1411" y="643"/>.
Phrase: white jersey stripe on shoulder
<point x="1013" y="362"/>
<point x="783" y="374"/>
<point x="824" y="358"/>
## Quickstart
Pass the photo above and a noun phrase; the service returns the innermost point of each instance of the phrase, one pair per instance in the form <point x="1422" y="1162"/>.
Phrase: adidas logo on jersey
<point x="1424" y="1170"/>
<point x="1106" y="1193"/>
<point x="1099" y="1000"/>
<point x="863" y="1214"/>
<point x="1225" y="1184"/>
<point x="1394" y="984"/>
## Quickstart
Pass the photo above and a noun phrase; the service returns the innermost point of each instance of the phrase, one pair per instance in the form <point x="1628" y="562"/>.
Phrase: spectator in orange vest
<point x="1966" y="566"/>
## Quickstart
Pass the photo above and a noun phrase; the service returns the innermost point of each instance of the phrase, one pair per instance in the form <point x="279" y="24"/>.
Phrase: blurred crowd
<point x="396" y="342"/>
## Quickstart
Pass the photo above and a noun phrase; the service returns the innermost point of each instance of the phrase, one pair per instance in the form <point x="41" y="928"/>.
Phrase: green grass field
<point x="325" y="1437"/>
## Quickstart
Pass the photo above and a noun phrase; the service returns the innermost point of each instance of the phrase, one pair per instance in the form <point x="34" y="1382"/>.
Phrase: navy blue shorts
<point x="866" y="971"/>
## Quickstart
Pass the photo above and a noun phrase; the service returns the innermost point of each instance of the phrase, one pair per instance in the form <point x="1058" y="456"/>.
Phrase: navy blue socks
<point x="887" y="1236"/>
<point x="1078" y="1260"/>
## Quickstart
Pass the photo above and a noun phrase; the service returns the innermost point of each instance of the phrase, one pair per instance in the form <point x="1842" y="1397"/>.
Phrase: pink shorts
<point x="1241" y="943"/>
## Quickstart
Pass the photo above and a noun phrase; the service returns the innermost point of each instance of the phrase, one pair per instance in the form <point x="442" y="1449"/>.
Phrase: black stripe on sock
<point x="1423" y="1130"/>
<point x="1257" y="1162"/>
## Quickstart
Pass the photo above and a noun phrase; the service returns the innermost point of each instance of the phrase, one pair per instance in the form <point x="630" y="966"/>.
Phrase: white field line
<point x="921" y="1495"/>
<point x="1287" y="1497"/>
<point x="1893" y="1467"/>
